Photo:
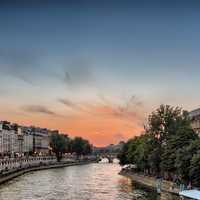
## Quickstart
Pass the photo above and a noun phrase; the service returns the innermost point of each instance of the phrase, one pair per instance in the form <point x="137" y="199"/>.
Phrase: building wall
<point x="41" y="141"/>
<point x="195" y="120"/>
<point x="28" y="143"/>
<point x="5" y="134"/>
<point x="8" y="142"/>
<point x="16" y="139"/>
<point x="14" y="142"/>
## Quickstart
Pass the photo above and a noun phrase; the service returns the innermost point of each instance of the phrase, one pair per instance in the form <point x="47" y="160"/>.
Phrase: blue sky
<point x="94" y="52"/>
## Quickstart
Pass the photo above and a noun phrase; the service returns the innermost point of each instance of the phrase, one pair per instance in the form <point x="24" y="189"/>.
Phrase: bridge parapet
<point x="110" y="157"/>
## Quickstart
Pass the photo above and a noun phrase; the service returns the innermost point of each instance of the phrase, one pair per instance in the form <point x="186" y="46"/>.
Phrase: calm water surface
<point x="92" y="181"/>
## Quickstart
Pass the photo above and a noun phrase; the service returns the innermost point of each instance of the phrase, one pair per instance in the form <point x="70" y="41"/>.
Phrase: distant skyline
<point x="97" y="68"/>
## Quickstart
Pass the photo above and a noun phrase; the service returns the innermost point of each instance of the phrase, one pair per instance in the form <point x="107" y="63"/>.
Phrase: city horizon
<point x="51" y="131"/>
<point x="94" y="145"/>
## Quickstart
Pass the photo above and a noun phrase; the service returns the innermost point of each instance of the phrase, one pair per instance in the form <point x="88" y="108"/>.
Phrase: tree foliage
<point x="59" y="144"/>
<point x="169" y="146"/>
<point x="123" y="154"/>
<point x="195" y="169"/>
<point x="80" y="146"/>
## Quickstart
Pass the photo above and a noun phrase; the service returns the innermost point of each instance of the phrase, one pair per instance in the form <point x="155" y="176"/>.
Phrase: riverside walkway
<point x="150" y="182"/>
<point x="9" y="164"/>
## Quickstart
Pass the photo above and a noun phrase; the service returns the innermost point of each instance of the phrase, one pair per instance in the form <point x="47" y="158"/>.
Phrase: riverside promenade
<point x="150" y="182"/>
<point x="11" y="168"/>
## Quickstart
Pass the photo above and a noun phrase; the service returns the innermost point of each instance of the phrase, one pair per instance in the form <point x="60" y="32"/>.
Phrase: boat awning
<point x="193" y="194"/>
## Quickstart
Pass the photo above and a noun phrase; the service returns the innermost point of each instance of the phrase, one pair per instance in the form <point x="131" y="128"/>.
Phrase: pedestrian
<point x="189" y="187"/>
<point x="158" y="184"/>
<point x="172" y="186"/>
<point x="182" y="187"/>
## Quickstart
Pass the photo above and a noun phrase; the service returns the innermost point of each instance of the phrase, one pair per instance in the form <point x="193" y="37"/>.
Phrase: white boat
<point x="192" y="194"/>
<point x="129" y="166"/>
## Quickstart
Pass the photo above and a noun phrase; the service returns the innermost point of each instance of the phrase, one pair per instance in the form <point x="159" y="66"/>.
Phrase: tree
<point x="163" y="122"/>
<point x="154" y="160"/>
<point x="184" y="157"/>
<point x="87" y="148"/>
<point x="142" y="152"/>
<point x="80" y="146"/>
<point x="195" y="169"/>
<point x="59" y="144"/>
<point x="132" y="150"/>
<point x="171" y="127"/>
<point x="123" y="154"/>
<point x="137" y="152"/>
<point x="174" y="147"/>
<point x="169" y="145"/>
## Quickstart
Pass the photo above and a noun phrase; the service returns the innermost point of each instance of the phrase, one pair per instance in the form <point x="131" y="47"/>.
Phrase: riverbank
<point x="150" y="182"/>
<point x="15" y="173"/>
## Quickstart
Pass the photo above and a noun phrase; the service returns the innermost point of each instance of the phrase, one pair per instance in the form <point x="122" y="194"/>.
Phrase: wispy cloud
<point x="68" y="103"/>
<point x="19" y="64"/>
<point x="38" y="109"/>
<point x="78" y="73"/>
<point x="78" y="107"/>
<point x="130" y="110"/>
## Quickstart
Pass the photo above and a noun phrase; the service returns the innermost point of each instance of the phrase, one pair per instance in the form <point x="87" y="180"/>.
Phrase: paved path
<point x="150" y="182"/>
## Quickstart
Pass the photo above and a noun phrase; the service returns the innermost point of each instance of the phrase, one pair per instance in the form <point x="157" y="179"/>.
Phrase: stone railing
<point x="14" y="164"/>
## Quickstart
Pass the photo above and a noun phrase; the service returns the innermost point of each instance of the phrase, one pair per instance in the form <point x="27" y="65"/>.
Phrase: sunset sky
<point x="97" y="68"/>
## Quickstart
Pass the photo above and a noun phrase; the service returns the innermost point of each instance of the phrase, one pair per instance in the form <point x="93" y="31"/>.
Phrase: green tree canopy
<point x="184" y="157"/>
<point x="59" y="144"/>
<point x="80" y="146"/>
<point x="195" y="169"/>
<point x="168" y="146"/>
<point x="123" y="154"/>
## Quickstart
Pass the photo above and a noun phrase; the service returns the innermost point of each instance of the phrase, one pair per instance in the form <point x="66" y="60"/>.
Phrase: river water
<point x="84" y="182"/>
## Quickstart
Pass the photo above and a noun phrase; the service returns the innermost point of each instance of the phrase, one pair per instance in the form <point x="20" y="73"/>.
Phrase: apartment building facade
<point x="20" y="140"/>
<point x="195" y="120"/>
<point x="40" y="140"/>
<point x="10" y="138"/>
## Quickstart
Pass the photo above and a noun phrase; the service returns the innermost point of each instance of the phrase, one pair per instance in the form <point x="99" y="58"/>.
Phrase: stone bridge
<point x="109" y="156"/>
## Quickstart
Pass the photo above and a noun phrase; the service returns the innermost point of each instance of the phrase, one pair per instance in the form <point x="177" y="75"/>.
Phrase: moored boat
<point x="190" y="194"/>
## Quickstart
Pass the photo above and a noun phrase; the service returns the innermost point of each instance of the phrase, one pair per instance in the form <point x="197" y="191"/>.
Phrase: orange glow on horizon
<point x="101" y="125"/>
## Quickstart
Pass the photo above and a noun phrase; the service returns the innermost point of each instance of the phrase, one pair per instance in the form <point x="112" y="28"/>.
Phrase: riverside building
<point x="10" y="138"/>
<point x="40" y="140"/>
<point x="20" y="140"/>
<point x="195" y="120"/>
<point x="27" y="140"/>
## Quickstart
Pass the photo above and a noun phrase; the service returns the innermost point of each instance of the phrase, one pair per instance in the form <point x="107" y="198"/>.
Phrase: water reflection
<point x="87" y="182"/>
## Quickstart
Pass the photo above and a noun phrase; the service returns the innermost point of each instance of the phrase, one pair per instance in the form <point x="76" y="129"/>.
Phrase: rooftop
<point x="195" y="112"/>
